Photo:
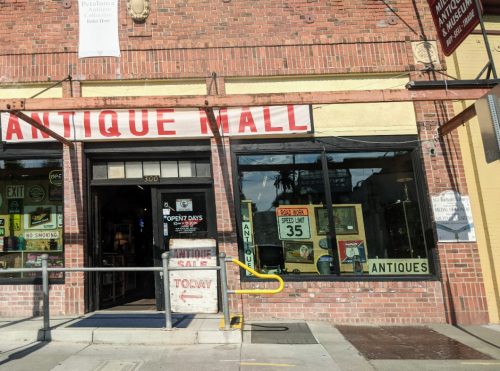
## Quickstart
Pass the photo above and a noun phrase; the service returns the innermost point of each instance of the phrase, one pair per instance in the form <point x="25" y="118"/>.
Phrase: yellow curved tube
<point x="274" y="276"/>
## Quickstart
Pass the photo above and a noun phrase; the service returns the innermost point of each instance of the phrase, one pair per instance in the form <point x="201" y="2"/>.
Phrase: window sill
<point x="351" y="278"/>
<point x="30" y="281"/>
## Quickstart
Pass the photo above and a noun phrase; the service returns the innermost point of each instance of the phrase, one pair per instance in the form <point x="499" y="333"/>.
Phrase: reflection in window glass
<point x="375" y="212"/>
<point x="278" y="195"/>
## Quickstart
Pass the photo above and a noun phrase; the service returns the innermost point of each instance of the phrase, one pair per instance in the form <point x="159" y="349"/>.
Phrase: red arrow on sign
<point x="182" y="296"/>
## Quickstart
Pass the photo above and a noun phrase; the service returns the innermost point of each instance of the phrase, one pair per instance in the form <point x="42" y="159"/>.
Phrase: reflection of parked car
<point x="271" y="256"/>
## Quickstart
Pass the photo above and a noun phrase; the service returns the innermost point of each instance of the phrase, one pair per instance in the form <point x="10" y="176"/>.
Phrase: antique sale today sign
<point x="454" y="20"/>
<point x="140" y="124"/>
<point x="193" y="291"/>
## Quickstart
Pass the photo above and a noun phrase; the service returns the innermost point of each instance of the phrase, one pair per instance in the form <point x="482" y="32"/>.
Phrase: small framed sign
<point x="344" y="218"/>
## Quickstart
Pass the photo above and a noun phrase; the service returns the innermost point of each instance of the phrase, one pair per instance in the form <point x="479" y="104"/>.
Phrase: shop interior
<point x="126" y="234"/>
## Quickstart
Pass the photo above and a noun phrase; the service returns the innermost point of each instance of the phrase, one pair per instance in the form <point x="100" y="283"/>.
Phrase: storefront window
<point x="286" y="220"/>
<point x="31" y="215"/>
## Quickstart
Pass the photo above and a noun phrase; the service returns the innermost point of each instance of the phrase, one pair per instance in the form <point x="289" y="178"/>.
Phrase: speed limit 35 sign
<point x="293" y="223"/>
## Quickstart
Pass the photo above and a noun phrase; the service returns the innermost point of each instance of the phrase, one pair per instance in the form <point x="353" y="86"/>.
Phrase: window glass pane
<point x="99" y="170"/>
<point x="169" y="169"/>
<point x="376" y="213"/>
<point x="31" y="215"/>
<point x="116" y="170"/>
<point x="133" y="169"/>
<point x="187" y="169"/>
<point x="279" y="194"/>
<point x="151" y="167"/>
<point x="202" y="168"/>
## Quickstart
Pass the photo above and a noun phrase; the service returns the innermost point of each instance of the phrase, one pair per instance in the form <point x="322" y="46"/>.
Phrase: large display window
<point x="31" y="215"/>
<point x="328" y="214"/>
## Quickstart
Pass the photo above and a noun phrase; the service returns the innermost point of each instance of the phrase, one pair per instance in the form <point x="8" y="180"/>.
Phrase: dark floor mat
<point x="142" y="304"/>
<point x="406" y="342"/>
<point x="282" y="333"/>
<point x="134" y="320"/>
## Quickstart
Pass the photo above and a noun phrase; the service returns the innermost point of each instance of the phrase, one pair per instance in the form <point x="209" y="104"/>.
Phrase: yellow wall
<point x="144" y="88"/>
<point x="342" y="119"/>
<point x="482" y="178"/>
<point x="12" y="91"/>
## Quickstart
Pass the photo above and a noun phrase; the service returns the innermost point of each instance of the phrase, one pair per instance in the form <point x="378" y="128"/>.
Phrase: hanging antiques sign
<point x="453" y="217"/>
<point x="454" y="21"/>
<point x="98" y="35"/>
<point x="176" y="123"/>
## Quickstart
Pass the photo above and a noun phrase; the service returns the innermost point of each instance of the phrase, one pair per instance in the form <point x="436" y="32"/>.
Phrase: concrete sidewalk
<point x="117" y="349"/>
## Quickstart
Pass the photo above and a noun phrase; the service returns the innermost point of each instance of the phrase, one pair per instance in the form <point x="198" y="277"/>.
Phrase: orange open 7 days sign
<point x="454" y="20"/>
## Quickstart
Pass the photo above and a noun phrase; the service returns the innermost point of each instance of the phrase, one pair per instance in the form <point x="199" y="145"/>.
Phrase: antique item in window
<point x="344" y="217"/>
<point x="299" y="252"/>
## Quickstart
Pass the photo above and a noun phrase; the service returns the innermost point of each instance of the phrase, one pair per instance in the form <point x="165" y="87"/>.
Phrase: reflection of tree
<point x="51" y="163"/>
<point x="14" y="164"/>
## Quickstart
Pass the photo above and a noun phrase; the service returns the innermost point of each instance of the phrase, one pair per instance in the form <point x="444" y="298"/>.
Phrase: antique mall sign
<point x="454" y="20"/>
<point x="105" y="125"/>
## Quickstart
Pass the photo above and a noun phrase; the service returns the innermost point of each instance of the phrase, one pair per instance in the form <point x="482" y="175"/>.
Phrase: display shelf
<point x="24" y="259"/>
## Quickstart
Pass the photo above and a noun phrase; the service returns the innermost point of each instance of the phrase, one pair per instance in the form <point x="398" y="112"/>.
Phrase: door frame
<point x="158" y="248"/>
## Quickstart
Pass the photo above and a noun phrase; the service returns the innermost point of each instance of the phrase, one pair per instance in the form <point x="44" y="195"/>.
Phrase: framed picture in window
<point x="344" y="217"/>
<point x="299" y="252"/>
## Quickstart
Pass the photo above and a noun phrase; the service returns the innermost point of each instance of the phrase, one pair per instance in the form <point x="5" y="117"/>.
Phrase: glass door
<point x="181" y="214"/>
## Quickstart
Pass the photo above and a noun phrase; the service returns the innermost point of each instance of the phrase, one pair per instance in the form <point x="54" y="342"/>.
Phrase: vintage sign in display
<point x="454" y="21"/>
<point x="55" y="177"/>
<point x="40" y="217"/>
<point x="15" y="191"/>
<point x="55" y="193"/>
<point x="344" y="218"/>
<point x="247" y="233"/>
<point x="453" y="217"/>
<point x="2" y="231"/>
<point x="158" y="123"/>
<point x="299" y="252"/>
<point x="293" y="223"/>
<point x="193" y="291"/>
<point x="184" y="204"/>
<point x="36" y="193"/>
<point x="398" y="266"/>
<point x="98" y="36"/>
<point x="15" y="222"/>
<point x="45" y="235"/>
<point x="348" y="249"/>
<point x="15" y="206"/>
<point x="186" y="223"/>
<point x="34" y="260"/>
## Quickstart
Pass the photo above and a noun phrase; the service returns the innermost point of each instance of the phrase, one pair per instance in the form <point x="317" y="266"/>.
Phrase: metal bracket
<point x="12" y="104"/>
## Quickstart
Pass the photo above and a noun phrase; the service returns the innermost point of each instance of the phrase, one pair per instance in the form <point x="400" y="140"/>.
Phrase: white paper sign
<point x="98" y="28"/>
<point x="184" y="204"/>
<point x="453" y="217"/>
<point x="193" y="291"/>
<point x="157" y="123"/>
<point x="42" y="235"/>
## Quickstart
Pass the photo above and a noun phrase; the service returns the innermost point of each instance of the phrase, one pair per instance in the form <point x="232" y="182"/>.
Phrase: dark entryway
<point x="123" y="226"/>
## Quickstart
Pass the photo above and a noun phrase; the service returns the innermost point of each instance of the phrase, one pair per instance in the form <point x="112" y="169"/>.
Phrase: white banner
<point x="140" y="124"/>
<point x="453" y="217"/>
<point x="98" y="28"/>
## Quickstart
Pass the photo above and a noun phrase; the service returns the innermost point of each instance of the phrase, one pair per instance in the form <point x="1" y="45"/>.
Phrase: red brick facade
<point x="236" y="39"/>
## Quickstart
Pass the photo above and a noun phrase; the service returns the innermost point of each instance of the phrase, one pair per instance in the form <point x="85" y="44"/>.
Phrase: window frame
<point x="38" y="151"/>
<point x="322" y="146"/>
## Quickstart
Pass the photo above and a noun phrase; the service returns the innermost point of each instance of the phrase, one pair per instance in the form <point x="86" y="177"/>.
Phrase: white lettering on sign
<point x="15" y="191"/>
<point x="398" y="266"/>
<point x="293" y="223"/>
<point x="41" y="235"/>
<point x="193" y="291"/>
<point x="248" y="246"/>
<point x="157" y="123"/>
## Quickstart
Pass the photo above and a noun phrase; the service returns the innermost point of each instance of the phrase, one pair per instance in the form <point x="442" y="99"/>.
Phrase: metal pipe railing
<point x="164" y="270"/>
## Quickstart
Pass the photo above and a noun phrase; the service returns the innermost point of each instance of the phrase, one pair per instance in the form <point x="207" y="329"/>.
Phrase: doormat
<point x="134" y="320"/>
<point x="282" y="333"/>
<point x="406" y="342"/>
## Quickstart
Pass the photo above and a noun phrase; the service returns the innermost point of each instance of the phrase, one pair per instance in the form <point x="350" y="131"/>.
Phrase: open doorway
<point x="124" y="229"/>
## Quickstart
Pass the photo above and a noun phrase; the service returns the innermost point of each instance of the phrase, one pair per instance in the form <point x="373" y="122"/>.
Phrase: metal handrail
<point x="272" y="276"/>
<point x="166" y="282"/>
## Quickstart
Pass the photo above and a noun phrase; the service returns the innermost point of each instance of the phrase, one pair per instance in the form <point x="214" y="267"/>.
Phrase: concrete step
<point x="200" y="329"/>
